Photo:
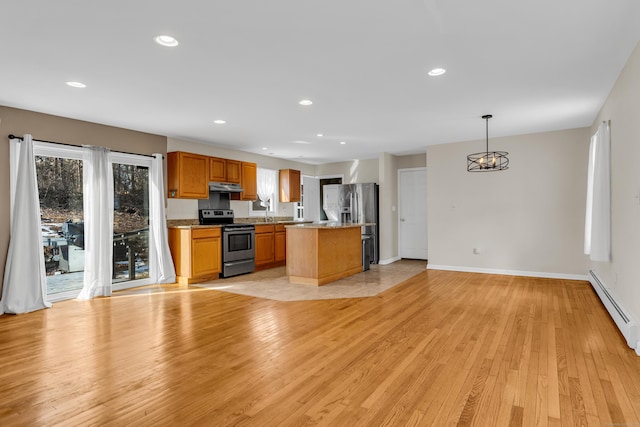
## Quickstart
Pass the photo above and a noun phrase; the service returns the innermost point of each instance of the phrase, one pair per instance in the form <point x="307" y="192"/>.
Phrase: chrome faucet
<point x="266" y="212"/>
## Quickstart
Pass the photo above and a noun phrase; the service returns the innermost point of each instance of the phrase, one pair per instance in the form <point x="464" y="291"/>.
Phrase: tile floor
<point x="274" y="284"/>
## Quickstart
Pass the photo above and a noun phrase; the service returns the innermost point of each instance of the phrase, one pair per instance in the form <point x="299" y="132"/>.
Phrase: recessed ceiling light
<point x="219" y="122"/>
<point x="343" y="143"/>
<point x="437" y="72"/>
<point x="167" y="41"/>
<point x="265" y="148"/>
<point x="319" y="134"/>
<point x="76" y="84"/>
<point x="300" y="142"/>
<point x="305" y="102"/>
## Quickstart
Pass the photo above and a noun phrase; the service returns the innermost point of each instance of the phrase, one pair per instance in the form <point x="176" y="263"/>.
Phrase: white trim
<point x="540" y="274"/>
<point x="128" y="284"/>
<point x="389" y="260"/>
<point x="621" y="317"/>
<point x="63" y="296"/>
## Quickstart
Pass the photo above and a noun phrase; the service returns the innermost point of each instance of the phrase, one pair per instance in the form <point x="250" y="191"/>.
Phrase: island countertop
<point x="330" y="225"/>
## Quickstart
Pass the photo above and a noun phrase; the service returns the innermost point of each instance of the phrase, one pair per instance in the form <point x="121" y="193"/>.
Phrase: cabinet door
<point x="280" y="246"/>
<point x="249" y="181"/>
<point x="217" y="169"/>
<point x="205" y="256"/>
<point x="234" y="172"/>
<point x="264" y="248"/>
<point x="289" y="185"/>
<point x="188" y="175"/>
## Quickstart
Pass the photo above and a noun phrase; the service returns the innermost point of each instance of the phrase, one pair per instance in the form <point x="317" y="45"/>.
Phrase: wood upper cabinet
<point x="188" y="175"/>
<point x="217" y="169"/>
<point x="234" y="171"/>
<point x="249" y="182"/>
<point x="289" y="185"/>
<point x="280" y="243"/>
<point x="265" y="254"/>
<point x="196" y="253"/>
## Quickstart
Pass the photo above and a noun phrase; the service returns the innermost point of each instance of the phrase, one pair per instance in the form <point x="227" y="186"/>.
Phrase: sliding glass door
<point x="59" y="172"/>
<point x="62" y="222"/>
<point x="131" y="248"/>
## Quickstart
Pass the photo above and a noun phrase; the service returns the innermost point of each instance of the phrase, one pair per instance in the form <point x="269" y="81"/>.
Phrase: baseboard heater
<point x="627" y="325"/>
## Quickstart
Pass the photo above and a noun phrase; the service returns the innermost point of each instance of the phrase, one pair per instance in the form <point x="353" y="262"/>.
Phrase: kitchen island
<point x="318" y="254"/>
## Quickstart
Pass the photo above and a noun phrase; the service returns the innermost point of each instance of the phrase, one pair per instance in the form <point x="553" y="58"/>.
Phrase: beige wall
<point x="354" y="171"/>
<point x="388" y="207"/>
<point x="60" y="129"/>
<point x="412" y="161"/>
<point x="188" y="209"/>
<point x="623" y="109"/>
<point x="529" y="218"/>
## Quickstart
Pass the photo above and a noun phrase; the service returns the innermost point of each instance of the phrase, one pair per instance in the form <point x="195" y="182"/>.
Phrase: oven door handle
<point x="239" y="229"/>
<point x="242" y="261"/>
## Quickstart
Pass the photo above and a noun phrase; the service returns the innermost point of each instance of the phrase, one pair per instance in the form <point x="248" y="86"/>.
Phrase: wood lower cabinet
<point x="188" y="175"/>
<point x="196" y="253"/>
<point x="280" y="243"/>
<point x="270" y="246"/>
<point x="265" y="254"/>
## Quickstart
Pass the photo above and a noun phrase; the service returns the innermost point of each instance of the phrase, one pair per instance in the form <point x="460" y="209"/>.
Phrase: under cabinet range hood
<point x="221" y="187"/>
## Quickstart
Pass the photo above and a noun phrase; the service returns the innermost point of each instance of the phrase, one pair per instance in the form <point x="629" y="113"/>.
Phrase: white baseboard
<point x="509" y="272"/>
<point x="621" y="317"/>
<point x="389" y="260"/>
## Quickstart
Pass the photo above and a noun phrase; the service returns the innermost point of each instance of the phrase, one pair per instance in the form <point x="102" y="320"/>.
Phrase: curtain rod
<point x="11" y="136"/>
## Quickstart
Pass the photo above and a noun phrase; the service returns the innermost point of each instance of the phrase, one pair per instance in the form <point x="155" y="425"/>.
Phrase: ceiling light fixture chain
<point x="487" y="161"/>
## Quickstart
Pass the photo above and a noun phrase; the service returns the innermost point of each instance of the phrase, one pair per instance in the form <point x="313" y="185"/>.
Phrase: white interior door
<point x="412" y="214"/>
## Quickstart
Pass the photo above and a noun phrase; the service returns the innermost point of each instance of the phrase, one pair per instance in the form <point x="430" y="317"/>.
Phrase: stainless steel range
<point x="238" y="241"/>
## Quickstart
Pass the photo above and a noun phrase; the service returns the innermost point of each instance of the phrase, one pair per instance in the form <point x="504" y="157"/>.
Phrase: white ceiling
<point x="536" y="66"/>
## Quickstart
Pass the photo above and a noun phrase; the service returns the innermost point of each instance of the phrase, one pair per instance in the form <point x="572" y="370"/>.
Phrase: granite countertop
<point x="329" y="225"/>
<point x="193" y="223"/>
<point x="189" y="226"/>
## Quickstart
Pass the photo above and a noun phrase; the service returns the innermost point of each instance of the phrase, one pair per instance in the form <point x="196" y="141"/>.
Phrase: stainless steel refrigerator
<point x="356" y="204"/>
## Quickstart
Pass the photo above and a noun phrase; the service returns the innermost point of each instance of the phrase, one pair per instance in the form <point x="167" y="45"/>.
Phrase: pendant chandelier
<point x="487" y="161"/>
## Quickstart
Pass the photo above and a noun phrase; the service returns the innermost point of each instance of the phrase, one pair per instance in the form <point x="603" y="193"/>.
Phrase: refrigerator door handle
<point x="354" y="207"/>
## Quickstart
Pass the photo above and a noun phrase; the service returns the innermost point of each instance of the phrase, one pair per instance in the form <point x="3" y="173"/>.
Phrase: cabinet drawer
<point x="280" y="227"/>
<point x="203" y="233"/>
<point x="264" y="229"/>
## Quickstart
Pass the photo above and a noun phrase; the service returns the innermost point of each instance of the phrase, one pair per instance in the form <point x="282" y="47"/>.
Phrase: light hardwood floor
<point x="443" y="348"/>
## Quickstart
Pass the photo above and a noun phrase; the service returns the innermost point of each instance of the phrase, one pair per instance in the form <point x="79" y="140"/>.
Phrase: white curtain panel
<point x="164" y="271"/>
<point x="97" y="190"/>
<point x="598" y="234"/>
<point x="589" y="212"/>
<point x="267" y="184"/>
<point x="24" y="286"/>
